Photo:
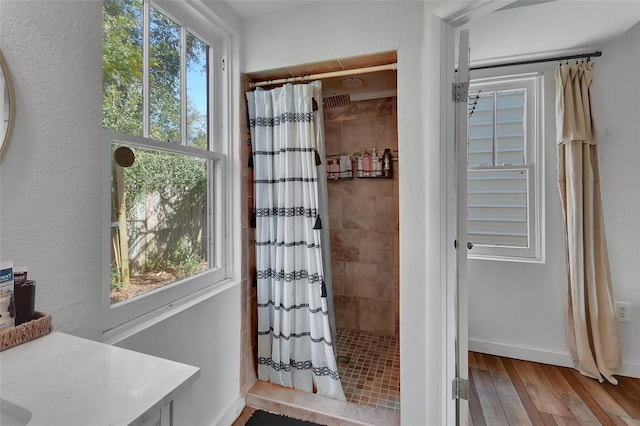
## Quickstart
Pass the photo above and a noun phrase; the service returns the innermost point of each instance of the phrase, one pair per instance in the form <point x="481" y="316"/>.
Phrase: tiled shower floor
<point x="369" y="367"/>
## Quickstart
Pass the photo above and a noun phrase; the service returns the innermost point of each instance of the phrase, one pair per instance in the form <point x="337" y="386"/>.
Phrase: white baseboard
<point x="536" y="355"/>
<point x="520" y="352"/>
<point x="232" y="413"/>
<point x="630" y="370"/>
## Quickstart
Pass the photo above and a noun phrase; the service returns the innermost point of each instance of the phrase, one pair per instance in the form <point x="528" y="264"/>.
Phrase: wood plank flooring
<point x="505" y="391"/>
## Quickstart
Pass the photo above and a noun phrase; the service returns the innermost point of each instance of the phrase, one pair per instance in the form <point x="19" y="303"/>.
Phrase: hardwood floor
<point x="504" y="391"/>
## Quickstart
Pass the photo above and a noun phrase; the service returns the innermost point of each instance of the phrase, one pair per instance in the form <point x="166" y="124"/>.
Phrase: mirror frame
<point x="12" y="104"/>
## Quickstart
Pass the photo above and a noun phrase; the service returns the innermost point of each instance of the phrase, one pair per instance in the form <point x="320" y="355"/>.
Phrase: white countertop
<point x="66" y="380"/>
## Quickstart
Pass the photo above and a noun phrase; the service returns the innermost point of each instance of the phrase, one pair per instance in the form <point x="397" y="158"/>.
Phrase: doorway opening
<point x="360" y="119"/>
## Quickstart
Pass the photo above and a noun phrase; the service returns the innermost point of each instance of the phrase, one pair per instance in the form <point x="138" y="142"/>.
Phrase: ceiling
<point x="248" y="9"/>
<point x="525" y="29"/>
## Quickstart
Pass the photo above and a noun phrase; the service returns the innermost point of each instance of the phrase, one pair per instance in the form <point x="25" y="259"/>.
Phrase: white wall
<point x="321" y="31"/>
<point x="208" y="336"/>
<point x="523" y="304"/>
<point x="50" y="175"/>
<point x="615" y="86"/>
<point x="51" y="199"/>
<point x="518" y="309"/>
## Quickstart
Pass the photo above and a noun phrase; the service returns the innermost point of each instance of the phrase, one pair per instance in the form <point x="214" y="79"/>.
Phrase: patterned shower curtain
<point x="295" y="347"/>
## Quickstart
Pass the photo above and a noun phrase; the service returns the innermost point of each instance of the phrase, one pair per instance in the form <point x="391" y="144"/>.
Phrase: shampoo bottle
<point x="334" y="169"/>
<point x="375" y="163"/>
<point x="386" y="163"/>
<point x="366" y="164"/>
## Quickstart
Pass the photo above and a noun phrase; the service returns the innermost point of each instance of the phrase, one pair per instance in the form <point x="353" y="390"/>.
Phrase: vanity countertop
<point x="67" y="380"/>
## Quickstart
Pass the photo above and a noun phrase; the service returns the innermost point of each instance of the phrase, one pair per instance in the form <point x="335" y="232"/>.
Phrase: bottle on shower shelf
<point x="375" y="164"/>
<point x="386" y="163"/>
<point x="359" y="165"/>
<point x="366" y="164"/>
<point x="330" y="170"/>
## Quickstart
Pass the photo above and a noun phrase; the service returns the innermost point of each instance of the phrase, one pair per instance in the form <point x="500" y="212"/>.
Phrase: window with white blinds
<point x="503" y="191"/>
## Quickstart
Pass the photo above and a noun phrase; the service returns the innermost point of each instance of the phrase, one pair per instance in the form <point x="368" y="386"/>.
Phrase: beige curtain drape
<point x="592" y="325"/>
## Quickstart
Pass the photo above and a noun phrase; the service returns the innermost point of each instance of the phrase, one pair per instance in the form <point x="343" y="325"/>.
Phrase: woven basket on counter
<point x="39" y="326"/>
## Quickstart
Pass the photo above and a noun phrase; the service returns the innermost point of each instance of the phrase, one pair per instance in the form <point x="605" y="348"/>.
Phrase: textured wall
<point x="249" y="301"/>
<point x="51" y="174"/>
<point x="364" y="221"/>
<point x="51" y="198"/>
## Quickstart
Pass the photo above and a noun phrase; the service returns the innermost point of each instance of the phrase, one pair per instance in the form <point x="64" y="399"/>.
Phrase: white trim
<point x="560" y="359"/>
<point x="520" y="352"/>
<point x="184" y="76"/>
<point x="146" y="80"/>
<point x="142" y="142"/>
<point x="450" y="15"/>
<point x="630" y="369"/>
<point x="461" y="293"/>
<point x="534" y="160"/>
<point x="448" y="207"/>
<point x="187" y="15"/>
<point x="448" y="202"/>
<point x="224" y="225"/>
<point x="227" y="127"/>
<point x="130" y="309"/>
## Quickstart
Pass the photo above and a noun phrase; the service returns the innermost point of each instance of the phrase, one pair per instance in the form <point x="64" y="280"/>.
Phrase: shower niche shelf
<point x="374" y="177"/>
<point x="333" y="169"/>
<point x="355" y="176"/>
<point x="354" y="173"/>
<point x="336" y="178"/>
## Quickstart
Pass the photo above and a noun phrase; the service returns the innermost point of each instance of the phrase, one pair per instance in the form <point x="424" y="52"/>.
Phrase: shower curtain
<point x="592" y="325"/>
<point x="295" y="344"/>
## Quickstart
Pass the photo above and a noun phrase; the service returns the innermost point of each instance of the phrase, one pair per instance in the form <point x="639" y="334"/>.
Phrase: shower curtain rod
<point x="320" y="76"/>
<point x="535" y="61"/>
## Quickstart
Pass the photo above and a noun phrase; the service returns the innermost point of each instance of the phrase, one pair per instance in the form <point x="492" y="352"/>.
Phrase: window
<point x="504" y="188"/>
<point x="167" y="167"/>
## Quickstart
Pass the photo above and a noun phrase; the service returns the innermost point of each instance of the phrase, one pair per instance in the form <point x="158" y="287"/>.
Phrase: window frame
<point x="533" y="166"/>
<point x="143" y="307"/>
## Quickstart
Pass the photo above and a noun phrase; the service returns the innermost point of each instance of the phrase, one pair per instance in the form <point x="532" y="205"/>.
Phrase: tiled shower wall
<point x="364" y="229"/>
<point x="364" y="220"/>
<point x="249" y="349"/>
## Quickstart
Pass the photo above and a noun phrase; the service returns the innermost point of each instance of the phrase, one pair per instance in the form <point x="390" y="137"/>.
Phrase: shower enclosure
<point x="364" y="243"/>
<point x="363" y="221"/>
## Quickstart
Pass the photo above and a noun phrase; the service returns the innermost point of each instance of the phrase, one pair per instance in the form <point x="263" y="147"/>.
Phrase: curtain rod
<point x="535" y="61"/>
<point x="320" y="76"/>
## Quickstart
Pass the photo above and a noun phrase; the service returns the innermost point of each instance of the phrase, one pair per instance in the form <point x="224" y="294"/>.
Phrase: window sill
<point x="130" y="328"/>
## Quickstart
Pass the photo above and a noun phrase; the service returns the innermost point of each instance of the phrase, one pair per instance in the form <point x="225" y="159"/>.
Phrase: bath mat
<point x="263" y="418"/>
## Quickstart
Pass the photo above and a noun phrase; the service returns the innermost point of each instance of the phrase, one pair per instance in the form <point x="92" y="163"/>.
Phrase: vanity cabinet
<point x="66" y="380"/>
<point x="175" y="411"/>
<point x="158" y="418"/>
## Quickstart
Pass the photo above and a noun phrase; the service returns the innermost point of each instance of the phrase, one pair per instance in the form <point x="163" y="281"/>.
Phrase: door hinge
<point x="460" y="92"/>
<point x="460" y="388"/>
